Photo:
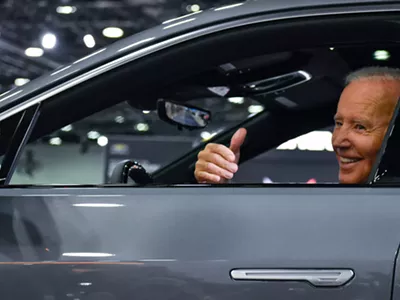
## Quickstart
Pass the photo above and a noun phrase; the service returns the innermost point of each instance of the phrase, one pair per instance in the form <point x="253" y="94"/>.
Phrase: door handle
<point x="317" y="277"/>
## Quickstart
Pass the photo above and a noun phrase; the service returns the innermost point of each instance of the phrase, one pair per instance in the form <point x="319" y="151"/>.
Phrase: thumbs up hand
<point x="218" y="163"/>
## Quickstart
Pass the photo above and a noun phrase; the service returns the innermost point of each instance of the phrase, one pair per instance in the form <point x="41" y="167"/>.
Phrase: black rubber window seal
<point x="18" y="142"/>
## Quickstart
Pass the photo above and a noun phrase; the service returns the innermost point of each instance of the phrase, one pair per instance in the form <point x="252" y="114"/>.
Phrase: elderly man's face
<point x="363" y="114"/>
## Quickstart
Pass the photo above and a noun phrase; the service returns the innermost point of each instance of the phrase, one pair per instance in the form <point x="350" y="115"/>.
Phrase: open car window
<point x="307" y="158"/>
<point x="87" y="151"/>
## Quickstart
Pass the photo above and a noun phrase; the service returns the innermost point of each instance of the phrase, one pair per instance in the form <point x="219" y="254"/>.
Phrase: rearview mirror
<point x="185" y="116"/>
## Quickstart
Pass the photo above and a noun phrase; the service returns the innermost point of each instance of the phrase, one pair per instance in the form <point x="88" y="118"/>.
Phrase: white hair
<point x="373" y="72"/>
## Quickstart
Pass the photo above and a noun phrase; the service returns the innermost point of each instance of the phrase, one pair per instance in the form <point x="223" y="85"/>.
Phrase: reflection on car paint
<point x="229" y="6"/>
<point x="61" y="70"/>
<point x="182" y="17"/>
<point x="179" y="23"/>
<point x="90" y="55"/>
<point x="136" y="44"/>
<point x="11" y="95"/>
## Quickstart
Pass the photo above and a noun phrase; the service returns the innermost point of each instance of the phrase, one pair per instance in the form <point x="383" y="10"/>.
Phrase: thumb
<point x="237" y="140"/>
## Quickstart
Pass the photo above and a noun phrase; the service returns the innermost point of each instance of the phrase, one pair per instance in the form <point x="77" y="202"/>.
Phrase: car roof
<point x="166" y="30"/>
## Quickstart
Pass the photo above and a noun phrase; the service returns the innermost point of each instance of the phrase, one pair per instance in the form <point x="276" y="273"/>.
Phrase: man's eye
<point x="360" y="127"/>
<point x="338" y="124"/>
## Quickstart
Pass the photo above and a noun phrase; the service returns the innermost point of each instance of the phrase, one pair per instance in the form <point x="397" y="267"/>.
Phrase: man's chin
<point x="351" y="178"/>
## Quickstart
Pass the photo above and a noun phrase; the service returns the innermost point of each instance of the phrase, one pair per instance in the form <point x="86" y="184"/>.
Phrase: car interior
<point x="298" y="79"/>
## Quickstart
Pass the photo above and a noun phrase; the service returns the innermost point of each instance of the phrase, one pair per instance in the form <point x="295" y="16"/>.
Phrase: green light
<point x="381" y="55"/>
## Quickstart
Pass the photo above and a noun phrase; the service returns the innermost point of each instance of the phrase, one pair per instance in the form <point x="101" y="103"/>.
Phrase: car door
<point x="387" y="174"/>
<point x="200" y="242"/>
<point x="196" y="242"/>
<point x="184" y="242"/>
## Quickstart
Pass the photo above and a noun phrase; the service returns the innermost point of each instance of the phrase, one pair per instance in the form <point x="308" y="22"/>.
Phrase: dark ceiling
<point x="24" y="22"/>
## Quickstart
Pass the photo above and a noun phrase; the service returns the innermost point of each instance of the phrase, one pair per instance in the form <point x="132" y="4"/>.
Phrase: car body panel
<point x="185" y="241"/>
<point x="169" y="34"/>
<point x="396" y="280"/>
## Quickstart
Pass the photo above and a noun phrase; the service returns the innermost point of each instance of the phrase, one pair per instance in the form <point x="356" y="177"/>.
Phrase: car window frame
<point x="265" y="18"/>
<point x="378" y="174"/>
<point x="123" y="61"/>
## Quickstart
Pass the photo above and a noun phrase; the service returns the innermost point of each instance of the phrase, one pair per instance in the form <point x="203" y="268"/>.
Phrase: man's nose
<point x="340" y="139"/>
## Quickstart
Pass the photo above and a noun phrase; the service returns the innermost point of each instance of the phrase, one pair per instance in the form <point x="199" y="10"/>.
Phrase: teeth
<point x="347" y="160"/>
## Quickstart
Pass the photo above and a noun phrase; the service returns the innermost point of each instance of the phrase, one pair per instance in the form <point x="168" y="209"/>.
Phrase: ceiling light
<point x="49" y="41"/>
<point x="194" y="8"/>
<point x="331" y="48"/>
<point x="146" y="112"/>
<point x="267" y="180"/>
<point x="93" y="135"/>
<point x="55" y="141"/>
<point x="119" y="119"/>
<point x="255" y="109"/>
<point x="381" y="55"/>
<point x="205" y="135"/>
<point x="67" y="128"/>
<point x="89" y="41"/>
<point x="21" y="81"/>
<point x="142" y="127"/>
<point x="34" y="52"/>
<point x="236" y="100"/>
<point x="102" y="141"/>
<point x="66" y="10"/>
<point x="113" y="32"/>
<point x="312" y="141"/>
<point x="85" y="283"/>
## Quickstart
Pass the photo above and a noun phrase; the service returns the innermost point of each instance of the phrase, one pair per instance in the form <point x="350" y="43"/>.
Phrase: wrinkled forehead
<point x="369" y="98"/>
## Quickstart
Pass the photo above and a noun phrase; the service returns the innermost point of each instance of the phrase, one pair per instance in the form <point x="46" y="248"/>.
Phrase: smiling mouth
<point x="345" y="160"/>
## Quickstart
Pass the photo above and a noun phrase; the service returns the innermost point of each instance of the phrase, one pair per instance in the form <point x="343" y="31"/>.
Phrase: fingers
<point x="204" y="177"/>
<point x="218" y="163"/>
<point x="215" y="164"/>
<point x="223" y="151"/>
<point x="212" y="168"/>
<point x="238" y="140"/>
<point x="219" y="160"/>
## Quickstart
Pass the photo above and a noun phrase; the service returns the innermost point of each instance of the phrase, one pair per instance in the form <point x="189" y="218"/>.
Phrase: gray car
<point x="165" y="237"/>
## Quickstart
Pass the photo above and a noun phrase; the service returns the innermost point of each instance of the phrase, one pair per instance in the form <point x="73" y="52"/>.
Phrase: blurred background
<point x="37" y="37"/>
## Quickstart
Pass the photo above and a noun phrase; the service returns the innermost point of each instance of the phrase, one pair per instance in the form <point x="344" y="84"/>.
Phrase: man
<point x="363" y="114"/>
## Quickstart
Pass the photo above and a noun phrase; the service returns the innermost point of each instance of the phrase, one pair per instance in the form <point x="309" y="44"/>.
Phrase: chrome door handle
<point x="318" y="278"/>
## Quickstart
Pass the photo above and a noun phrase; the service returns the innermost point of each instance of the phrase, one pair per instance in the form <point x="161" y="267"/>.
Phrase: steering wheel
<point x="129" y="170"/>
